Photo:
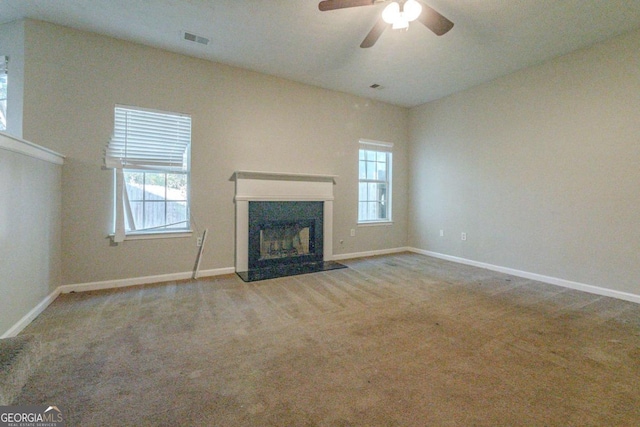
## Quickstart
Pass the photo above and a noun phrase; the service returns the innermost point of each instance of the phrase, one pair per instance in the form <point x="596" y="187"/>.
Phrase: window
<point x="150" y="153"/>
<point x="4" y="62"/>
<point x="374" y="200"/>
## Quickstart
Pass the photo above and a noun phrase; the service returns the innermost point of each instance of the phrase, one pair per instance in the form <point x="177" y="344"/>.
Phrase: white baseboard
<point x="107" y="284"/>
<point x="120" y="283"/>
<point x="341" y="257"/>
<point x="216" y="272"/>
<point x="533" y="276"/>
<point x="134" y="281"/>
<point x="28" y="318"/>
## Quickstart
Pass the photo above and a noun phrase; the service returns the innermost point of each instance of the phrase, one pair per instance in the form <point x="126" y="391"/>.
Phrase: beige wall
<point x="540" y="168"/>
<point x="30" y="253"/>
<point x="241" y="120"/>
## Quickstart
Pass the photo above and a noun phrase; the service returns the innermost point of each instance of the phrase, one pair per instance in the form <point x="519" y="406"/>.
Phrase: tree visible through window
<point x="374" y="187"/>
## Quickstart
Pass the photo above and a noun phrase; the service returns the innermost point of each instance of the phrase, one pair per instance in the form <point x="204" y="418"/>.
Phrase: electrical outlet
<point x="441" y="233"/>
<point x="353" y="232"/>
<point x="463" y="236"/>
<point x="199" y="241"/>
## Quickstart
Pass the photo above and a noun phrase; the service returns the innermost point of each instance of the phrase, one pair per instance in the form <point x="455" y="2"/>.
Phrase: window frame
<point x="122" y="207"/>
<point x="4" y="71"/>
<point x="387" y="149"/>
<point x="164" y="201"/>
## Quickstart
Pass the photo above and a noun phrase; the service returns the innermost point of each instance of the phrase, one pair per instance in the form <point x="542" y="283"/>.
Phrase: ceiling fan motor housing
<point x="397" y="14"/>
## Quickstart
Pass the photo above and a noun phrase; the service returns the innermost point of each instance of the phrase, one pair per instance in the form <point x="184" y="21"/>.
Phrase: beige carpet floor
<point x="399" y="340"/>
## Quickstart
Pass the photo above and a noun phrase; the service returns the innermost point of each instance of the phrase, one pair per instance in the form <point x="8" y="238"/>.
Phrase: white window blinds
<point x="149" y="140"/>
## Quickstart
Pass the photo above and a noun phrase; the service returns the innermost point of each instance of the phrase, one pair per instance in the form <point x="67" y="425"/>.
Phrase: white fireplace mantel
<point x="273" y="186"/>
<point x="251" y="185"/>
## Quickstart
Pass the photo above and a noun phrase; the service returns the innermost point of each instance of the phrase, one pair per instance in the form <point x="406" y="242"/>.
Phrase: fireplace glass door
<point x="284" y="240"/>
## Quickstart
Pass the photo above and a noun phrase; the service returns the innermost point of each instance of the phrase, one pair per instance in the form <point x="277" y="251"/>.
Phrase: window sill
<point x="374" y="223"/>
<point x="152" y="236"/>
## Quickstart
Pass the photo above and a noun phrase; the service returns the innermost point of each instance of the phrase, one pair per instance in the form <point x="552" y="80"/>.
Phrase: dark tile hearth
<point x="288" y="270"/>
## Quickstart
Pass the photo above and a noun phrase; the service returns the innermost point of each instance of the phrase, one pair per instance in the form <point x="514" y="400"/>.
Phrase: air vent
<point x="196" y="38"/>
<point x="375" y="86"/>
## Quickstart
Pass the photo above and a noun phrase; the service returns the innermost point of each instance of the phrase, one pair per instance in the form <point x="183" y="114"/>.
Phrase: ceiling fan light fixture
<point x="401" y="23"/>
<point x="411" y="10"/>
<point x="391" y="13"/>
<point x="400" y="16"/>
<point x="396" y="14"/>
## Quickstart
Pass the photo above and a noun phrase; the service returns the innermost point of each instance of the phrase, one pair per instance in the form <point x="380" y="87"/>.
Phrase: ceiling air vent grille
<point x="195" y="38"/>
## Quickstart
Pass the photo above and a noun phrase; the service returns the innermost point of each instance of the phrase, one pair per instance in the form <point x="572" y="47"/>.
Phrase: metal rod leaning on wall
<point x="199" y="258"/>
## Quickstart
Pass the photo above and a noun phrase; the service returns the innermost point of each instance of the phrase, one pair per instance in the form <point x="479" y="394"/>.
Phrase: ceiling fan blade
<point x="343" y="4"/>
<point x="434" y="21"/>
<point x="374" y="34"/>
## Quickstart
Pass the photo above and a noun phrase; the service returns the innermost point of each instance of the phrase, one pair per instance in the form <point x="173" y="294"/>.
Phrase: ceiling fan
<point x="396" y="14"/>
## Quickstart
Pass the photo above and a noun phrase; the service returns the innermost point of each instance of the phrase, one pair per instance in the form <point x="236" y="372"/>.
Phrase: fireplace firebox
<point x="284" y="239"/>
<point x="283" y="233"/>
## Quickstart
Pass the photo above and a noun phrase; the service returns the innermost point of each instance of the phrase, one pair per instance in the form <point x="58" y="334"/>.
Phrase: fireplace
<point x="283" y="233"/>
<point x="283" y="224"/>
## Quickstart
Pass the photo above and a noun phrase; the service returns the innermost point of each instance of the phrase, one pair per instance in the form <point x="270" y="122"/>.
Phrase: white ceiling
<point x="294" y="40"/>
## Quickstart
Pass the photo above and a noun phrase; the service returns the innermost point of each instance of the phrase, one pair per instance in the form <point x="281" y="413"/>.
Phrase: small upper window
<point x="374" y="195"/>
<point x="4" y="62"/>
<point x="150" y="152"/>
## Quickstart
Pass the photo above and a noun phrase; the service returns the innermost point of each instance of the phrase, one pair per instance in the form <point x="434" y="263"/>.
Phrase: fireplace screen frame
<point x="304" y="213"/>
<point x="310" y="224"/>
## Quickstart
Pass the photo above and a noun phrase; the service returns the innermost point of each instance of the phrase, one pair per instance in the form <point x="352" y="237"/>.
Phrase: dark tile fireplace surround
<point x="285" y="239"/>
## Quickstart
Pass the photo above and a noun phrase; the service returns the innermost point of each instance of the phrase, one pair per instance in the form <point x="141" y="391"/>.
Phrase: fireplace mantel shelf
<point x="279" y="176"/>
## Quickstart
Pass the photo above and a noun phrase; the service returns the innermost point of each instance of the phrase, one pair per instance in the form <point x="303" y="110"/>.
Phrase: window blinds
<point x="4" y="64"/>
<point x="149" y="140"/>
